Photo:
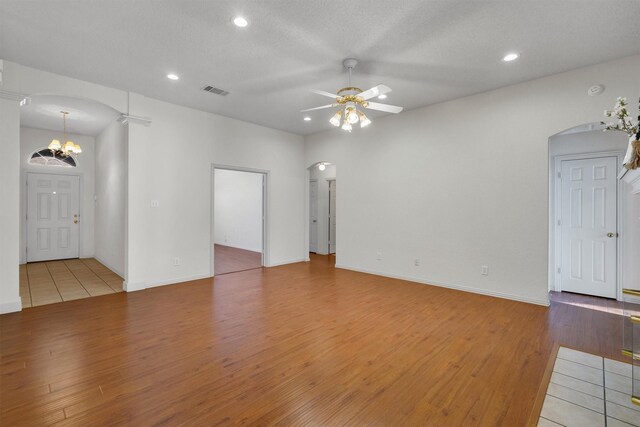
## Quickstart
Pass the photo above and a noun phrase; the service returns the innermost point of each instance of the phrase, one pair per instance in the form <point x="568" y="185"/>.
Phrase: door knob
<point x="611" y="235"/>
<point x="75" y="221"/>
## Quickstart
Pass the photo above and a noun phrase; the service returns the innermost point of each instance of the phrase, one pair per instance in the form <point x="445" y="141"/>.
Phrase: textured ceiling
<point x="426" y="51"/>
<point x="85" y="117"/>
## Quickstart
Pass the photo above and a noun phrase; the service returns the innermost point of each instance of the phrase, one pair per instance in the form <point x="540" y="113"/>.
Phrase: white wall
<point x="36" y="139"/>
<point x="180" y="180"/>
<point x="237" y="214"/>
<point x="9" y="206"/>
<point x="111" y="196"/>
<point x="631" y="266"/>
<point x="322" y="178"/>
<point x="463" y="183"/>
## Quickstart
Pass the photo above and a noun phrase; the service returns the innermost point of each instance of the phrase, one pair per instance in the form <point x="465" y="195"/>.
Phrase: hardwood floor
<point x="65" y="280"/>
<point x="231" y="260"/>
<point x="302" y="344"/>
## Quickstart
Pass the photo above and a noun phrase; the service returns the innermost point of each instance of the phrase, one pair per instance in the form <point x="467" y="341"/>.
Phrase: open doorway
<point x="585" y="208"/>
<point x="239" y="215"/>
<point x="72" y="209"/>
<point x="322" y="209"/>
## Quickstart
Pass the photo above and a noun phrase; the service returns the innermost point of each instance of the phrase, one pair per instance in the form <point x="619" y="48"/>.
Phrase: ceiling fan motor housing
<point x="350" y="63"/>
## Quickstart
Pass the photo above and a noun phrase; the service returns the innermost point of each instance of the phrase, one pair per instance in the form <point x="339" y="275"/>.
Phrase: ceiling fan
<point x="352" y="101"/>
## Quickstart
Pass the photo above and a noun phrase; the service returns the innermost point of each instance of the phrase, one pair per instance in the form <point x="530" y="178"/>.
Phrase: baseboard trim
<point x="630" y="299"/>
<point x="11" y="306"/>
<point x="132" y="287"/>
<point x="109" y="266"/>
<point x="139" y="286"/>
<point x="293" y="261"/>
<point x="545" y="303"/>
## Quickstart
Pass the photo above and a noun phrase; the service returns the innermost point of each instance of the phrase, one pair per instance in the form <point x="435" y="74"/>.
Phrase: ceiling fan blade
<point x="375" y="91"/>
<point x="384" y="107"/>
<point x="319" y="108"/>
<point x="323" y="93"/>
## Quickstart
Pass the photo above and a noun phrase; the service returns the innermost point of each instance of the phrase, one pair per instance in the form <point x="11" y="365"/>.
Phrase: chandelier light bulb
<point x="335" y="120"/>
<point x="346" y="126"/>
<point x="364" y="120"/>
<point x="352" y="116"/>
<point x="54" y="145"/>
<point x="69" y="147"/>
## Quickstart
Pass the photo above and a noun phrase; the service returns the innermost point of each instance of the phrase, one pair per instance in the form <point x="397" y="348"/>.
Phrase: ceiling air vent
<point x="215" y="90"/>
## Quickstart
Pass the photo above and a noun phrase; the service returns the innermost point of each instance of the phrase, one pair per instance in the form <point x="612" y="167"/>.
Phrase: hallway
<point x="49" y="282"/>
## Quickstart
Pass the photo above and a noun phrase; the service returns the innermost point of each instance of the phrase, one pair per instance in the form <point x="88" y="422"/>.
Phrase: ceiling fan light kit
<point x="352" y="101"/>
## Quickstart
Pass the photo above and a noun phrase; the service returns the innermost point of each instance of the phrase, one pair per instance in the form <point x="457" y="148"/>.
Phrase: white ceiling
<point x="426" y="51"/>
<point x="86" y="117"/>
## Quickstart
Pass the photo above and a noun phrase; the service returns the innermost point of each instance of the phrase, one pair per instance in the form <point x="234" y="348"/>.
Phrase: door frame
<point x="329" y="180"/>
<point x="555" y="212"/>
<point x="315" y="250"/>
<point x="30" y="170"/>
<point x="266" y="182"/>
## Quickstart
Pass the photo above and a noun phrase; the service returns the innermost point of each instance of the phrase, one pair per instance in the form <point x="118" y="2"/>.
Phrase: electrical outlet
<point x="416" y="262"/>
<point x="176" y="261"/>
<point x="485" y="270"/>
<point x="155" y="203"/>
<point x="379" y="256"/>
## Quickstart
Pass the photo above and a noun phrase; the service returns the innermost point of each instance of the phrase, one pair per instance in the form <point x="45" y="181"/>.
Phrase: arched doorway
<point x="323" y="209"/>
<point x="72" y="221"/>
<point x="585" y="209"/>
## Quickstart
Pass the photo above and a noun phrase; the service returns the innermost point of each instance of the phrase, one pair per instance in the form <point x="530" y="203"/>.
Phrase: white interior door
<point x="332" y="217"/>
<point x="588" y="226"/>
<point x="53" y="217"/>
<point x="313" y="216"/>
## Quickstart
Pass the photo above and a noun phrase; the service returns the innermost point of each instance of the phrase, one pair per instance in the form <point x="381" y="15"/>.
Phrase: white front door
<point x="332" y="217"/>
<point x="588" y="226"/>
<point x="313" y="216"/>
<point x="53" y="216"/>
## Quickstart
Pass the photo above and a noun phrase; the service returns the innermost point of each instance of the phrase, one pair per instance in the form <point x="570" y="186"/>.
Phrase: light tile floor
<point x="587" y="390"/>
<point x="56" y="281"/>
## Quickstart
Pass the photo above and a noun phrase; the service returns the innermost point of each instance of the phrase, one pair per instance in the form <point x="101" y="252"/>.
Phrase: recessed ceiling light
<point x="510" y="57"/>
<point x="383" y="96"/>
<point x="239" y="21"/>
<point x="172" y="76"/>
<point x="307" y="119"/>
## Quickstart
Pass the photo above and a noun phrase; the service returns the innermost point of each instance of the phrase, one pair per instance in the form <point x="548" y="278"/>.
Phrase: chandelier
<point x="349" y="101"/>
<point x="69" y="147"/>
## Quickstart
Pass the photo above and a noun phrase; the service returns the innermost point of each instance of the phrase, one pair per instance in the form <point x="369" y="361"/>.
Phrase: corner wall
<point x="111" y="196"/>
<point x="10" y="206"/>
<point x="179" y="179"/>
<point x="463" y="183"/>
